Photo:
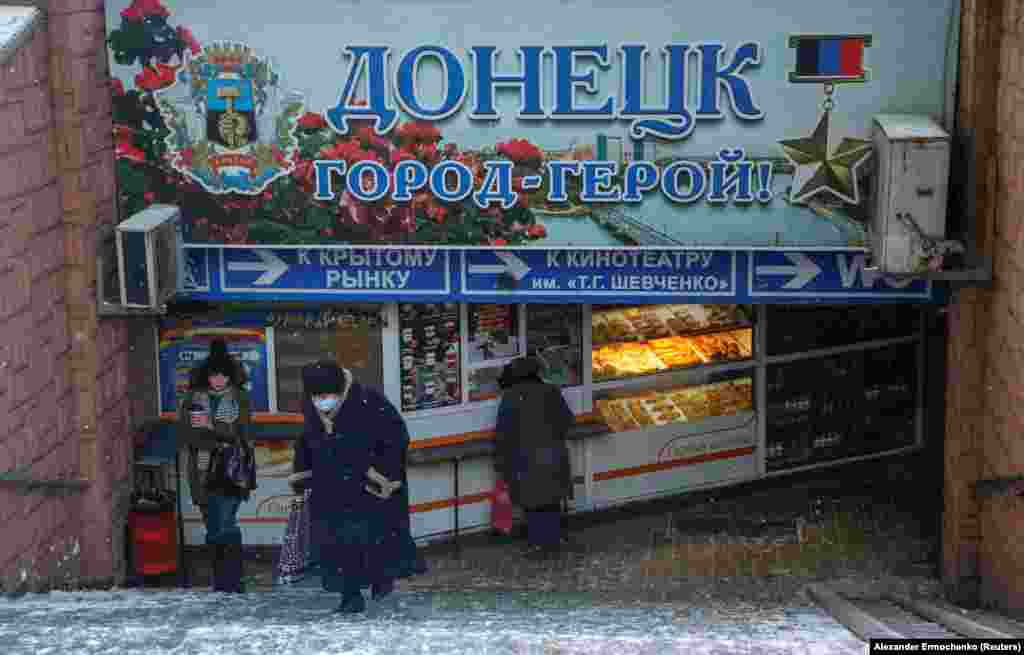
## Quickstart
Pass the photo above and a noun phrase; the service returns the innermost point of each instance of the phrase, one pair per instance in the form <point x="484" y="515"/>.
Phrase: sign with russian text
<point x="183" y="349"/>
<point x="516" y="275"/>
<point x="334" y="271"/>
<point x="827" y="275"/>
<point x="601" y="274"/>
<point x="629" y="125"/>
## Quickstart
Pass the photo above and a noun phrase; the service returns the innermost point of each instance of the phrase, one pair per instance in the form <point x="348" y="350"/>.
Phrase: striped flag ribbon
<point x="834" y="58"/>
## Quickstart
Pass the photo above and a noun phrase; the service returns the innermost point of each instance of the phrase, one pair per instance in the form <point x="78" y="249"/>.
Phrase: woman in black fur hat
<point x="532" y="454"/>
<point x="212" y="419"/>
<point x="352" y="454"/>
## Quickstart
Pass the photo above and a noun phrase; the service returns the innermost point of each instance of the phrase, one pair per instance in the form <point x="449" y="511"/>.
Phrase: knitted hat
<point x="219" y="361"/>
<point x="522" y="369"/>
<point x="323" y="377"/>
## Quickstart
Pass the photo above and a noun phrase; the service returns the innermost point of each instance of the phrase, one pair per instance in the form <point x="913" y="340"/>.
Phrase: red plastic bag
<point x="501" y="508"/>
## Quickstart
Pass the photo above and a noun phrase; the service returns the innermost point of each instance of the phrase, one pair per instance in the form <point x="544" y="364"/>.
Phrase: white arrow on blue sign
<point x="599" y="274"/>
<point x="826" y="275"/>
<point x="352" y="271"/>
<point x="510" y="265"/>
<point x="270" y="267"/>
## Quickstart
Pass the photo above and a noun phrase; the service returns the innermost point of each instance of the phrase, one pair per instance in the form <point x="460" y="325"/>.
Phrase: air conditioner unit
<point x="908" y="226"/>
<point x="138" y="263"/>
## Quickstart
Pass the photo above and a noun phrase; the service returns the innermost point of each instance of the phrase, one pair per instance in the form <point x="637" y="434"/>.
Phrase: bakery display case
<point x="645" y="340"/>
<point x="625" y="410"/>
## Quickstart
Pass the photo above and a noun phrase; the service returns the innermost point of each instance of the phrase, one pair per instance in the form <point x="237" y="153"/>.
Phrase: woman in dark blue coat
<point x="352" y="454"/>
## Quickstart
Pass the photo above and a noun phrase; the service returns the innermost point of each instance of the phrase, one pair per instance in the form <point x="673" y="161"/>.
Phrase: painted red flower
<point x="499" y="242"/>
<point x="140" y="9"/>
<point x="278" y="156"/>
<point x="536" y="231"/>
<point x="154" y="78"/>
<point x="126" y="150"/>
<point x="189" y="39"/>
<point x="418" y="132"/>
<point x="304" y="173"/>
<point x="184" y="159"/>
<point x="348" y="151"/>
<point x="117" y="86"/>
<point x="428" y="153"/>
<point x="437" y="213"/>
<point x="123" y="133"/>
<point x="312" y="121"/>
<point x="401" y="154"/>
<point x="521" y="151"/>
<point x="406" y="218"/>
<point x="327" y="232"/>
<point x="149" y="197"/>
<point x="268" y="195"/>
<point x="358" y="212"/>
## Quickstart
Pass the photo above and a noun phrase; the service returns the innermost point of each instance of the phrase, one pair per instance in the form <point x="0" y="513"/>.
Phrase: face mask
<point x="326" y="404"/>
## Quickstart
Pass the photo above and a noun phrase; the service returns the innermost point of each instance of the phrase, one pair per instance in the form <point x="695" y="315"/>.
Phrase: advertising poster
<point x="430" y="356"/>
<point x="182" y="350"/>
<point x="586" y="125"/>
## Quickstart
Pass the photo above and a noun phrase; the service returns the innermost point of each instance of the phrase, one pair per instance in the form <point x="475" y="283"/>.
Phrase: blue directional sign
<point x="599" y="275"/>
<point x="543" y="276"/>
<point x="377" y="273"/>
<point x="196" y="274"/>
<point x="826" y="275"/>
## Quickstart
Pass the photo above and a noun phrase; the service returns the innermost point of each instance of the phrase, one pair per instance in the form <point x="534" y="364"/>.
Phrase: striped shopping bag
<point x="296" y="562"/>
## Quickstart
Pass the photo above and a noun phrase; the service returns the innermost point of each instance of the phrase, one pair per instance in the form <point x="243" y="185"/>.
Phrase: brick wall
<point x="100" y="354"/>
<point x="985" y="426"/>
<point x="65" y="375"/>
<point x="38" y="404"/>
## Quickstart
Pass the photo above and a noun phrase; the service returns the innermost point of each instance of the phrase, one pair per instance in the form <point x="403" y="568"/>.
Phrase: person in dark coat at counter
<point x="213" y="416"/>
<point x="352" y="454"/>
<point x="532" y="455"/>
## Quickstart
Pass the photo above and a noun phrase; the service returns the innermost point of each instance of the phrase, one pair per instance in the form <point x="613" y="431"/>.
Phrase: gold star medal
<point x="819" y="169"/>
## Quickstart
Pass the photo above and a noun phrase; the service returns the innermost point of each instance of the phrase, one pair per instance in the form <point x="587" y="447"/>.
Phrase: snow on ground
<point x="301" y="622"/>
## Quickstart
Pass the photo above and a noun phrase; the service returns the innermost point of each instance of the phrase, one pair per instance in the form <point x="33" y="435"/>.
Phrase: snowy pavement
<point x="301" y="622"/>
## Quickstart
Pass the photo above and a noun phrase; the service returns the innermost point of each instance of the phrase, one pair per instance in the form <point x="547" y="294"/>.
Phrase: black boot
<point x="232" y="569"/>
<point x="382" y="589"/>
<point x="352" y="603"/>
<point x="218" y="567"/>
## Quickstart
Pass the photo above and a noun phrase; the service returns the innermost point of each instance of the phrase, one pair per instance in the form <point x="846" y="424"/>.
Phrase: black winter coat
<point x="532" y="453"/>
<point x="357" y="536"/>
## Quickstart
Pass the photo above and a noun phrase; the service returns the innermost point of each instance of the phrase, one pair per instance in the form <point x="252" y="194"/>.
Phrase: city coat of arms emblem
<point x="231" y="126"/>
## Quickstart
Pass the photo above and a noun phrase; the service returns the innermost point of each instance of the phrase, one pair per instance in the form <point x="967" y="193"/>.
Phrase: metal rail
<point x="896" y="616"/>
<point x="1009" y="486"/>
<point x="24" y="481"/>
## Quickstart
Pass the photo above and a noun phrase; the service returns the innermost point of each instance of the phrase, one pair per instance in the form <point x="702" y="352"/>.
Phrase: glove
<point x="380" y="486"/>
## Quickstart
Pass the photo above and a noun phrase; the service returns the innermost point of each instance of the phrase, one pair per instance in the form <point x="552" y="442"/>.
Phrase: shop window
<point x="554" y="336"/>
<point x="718" y="395"/>
<point x="493" y="339"/>
<point x="353" y="344"/>
<point x="643" y="340"/>
<point x="890" y="392"/>
<point x="793" y="329"/>
<point x="847" y="405"/>
<point x="430" y="355"/>
<point x="496" y="335"/>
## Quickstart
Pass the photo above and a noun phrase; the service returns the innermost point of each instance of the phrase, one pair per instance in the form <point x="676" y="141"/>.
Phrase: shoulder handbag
<point x="236" y="463"/>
